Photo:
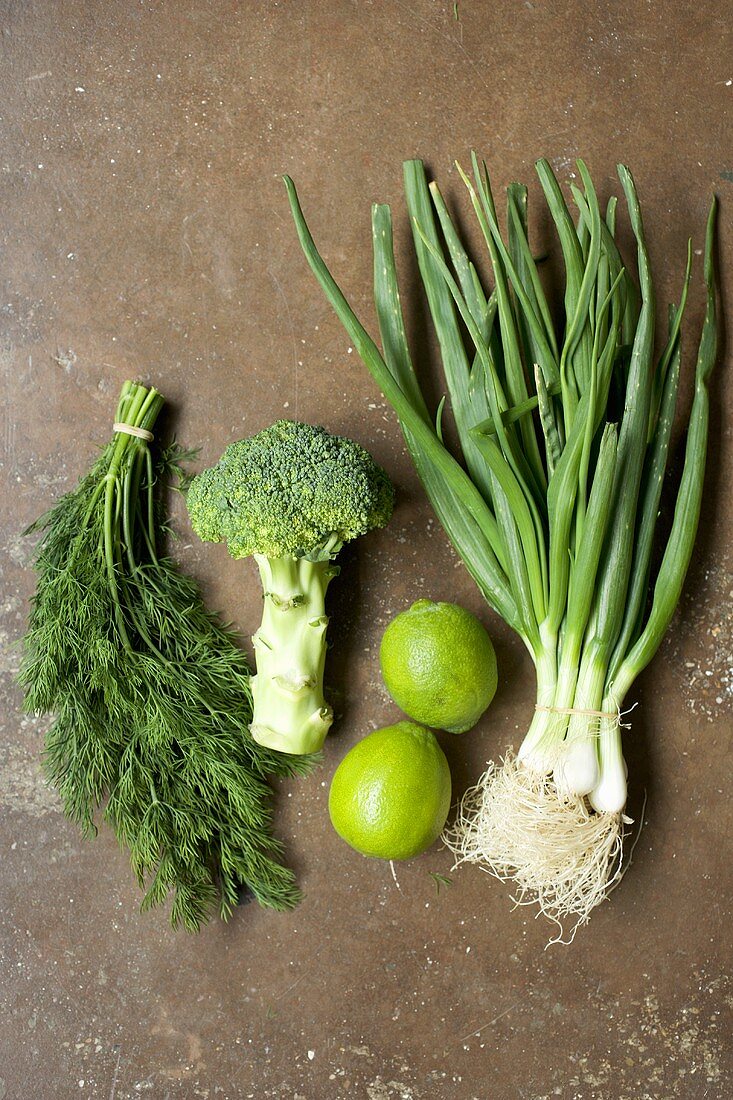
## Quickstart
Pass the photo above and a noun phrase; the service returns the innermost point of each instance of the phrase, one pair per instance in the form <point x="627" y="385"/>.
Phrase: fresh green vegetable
<point x="564" y="430"/>
<point x="150" y="693"/>
<point x="291" y="496"/>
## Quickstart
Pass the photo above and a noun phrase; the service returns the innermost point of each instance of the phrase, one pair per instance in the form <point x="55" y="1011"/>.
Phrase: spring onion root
<point x="516" y="824"/>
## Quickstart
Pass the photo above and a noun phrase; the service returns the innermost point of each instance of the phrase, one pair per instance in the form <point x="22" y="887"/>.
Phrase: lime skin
<point x="391" y="793"/>
<point x="439" y="665"/>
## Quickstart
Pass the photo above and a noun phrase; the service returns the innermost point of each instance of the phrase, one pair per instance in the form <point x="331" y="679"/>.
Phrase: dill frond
<point x="149" y="691"/>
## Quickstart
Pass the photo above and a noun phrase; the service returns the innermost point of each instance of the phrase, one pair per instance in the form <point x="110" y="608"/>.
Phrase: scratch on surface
<point x="38" y="76"/>
<point x="184" y="229"/>
<point x="491" y="1023"/>
<point x="299" y="979"/>
<point x="447" y="37"/>
<point x="113" y="1090"/>
<point x="9" y="436"/>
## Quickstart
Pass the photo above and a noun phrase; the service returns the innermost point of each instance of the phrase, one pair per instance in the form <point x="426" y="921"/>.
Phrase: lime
<point x="390" y="795"/>
<point x="439" y="665"/>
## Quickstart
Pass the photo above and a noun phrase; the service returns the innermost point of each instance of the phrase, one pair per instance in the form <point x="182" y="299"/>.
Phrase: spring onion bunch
<point x="564" y="423"/>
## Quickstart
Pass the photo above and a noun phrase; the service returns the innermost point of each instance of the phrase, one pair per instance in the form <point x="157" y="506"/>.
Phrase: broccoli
<point x="291" y="496"/>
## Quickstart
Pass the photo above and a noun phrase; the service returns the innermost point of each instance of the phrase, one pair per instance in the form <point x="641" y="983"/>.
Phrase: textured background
<point x="145" y="233"/>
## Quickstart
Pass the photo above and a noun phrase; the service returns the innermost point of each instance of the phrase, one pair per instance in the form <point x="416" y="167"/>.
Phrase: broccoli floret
<point x="291" y="489"/>
<point x="291" y="496"/>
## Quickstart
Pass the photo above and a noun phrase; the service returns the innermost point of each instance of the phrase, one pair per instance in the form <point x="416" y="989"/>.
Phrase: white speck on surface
<point x="702" y="644"/>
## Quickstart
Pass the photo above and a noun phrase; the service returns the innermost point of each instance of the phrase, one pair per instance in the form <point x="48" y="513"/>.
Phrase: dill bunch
<point x="149" y="691"/>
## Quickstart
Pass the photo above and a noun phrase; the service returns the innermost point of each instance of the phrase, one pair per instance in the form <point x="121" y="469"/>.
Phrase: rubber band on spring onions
<point x="564" y="432"/>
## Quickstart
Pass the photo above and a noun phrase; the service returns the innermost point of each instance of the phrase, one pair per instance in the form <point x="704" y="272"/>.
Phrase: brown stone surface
<point x="145" y="233"/>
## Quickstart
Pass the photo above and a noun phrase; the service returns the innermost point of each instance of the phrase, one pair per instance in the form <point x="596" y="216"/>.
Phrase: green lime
<point x="390" y="795"/>
<point x="439" y="665"/>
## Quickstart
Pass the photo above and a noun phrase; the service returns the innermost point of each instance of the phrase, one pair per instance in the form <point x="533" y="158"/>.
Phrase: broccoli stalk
<point x="290" y="712"/>
<point x="291" y="496"/>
